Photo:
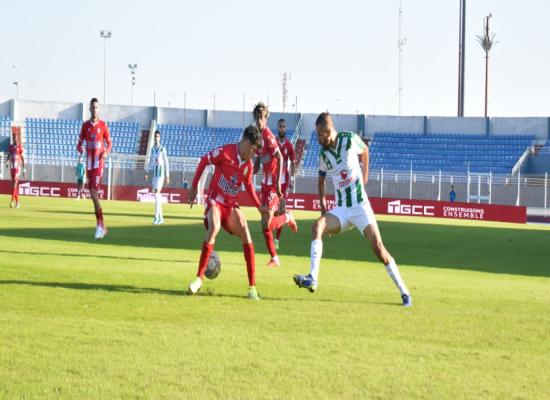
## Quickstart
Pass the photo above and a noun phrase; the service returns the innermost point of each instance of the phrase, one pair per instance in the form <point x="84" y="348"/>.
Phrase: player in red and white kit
<point x="272" y="160"/>
<point x="287" y="180"/>
<point x="232" y="168"/>
<point x="16" y="162"/>
<point x="98" y="145"/>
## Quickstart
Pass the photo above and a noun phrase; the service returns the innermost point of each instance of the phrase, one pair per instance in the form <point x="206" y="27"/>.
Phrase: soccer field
<point x="81" y="318"/>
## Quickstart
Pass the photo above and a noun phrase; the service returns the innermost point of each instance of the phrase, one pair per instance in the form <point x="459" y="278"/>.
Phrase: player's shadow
<point x="94" y="256"/>
<point x="148" y="216"/>
<point x="96" y="286"/>
<point x="500" y="250"/>
<point x="173" y="292"/>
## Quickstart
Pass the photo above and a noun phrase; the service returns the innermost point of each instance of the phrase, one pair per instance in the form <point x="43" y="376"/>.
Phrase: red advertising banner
<point x="306" y="202"/>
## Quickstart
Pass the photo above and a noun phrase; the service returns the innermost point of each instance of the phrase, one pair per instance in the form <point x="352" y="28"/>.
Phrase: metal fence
<point x="530" y="191"/>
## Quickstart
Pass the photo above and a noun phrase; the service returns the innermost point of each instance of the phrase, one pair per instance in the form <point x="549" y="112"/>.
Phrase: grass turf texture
<point x="81" y="318"/>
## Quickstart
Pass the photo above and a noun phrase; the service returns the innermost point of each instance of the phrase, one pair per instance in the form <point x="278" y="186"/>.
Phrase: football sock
<point x="316" y="254"/>
<point x="158" y="207"/>
<point x="205" y="256"/>
<point x="248" y="249"/>
<point x="269" y="242"/>
<point x="393" y="272"/>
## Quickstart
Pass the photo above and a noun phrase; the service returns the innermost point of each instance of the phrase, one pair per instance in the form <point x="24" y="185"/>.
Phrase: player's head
<point x="94" y="107"/>
<point x="261" y="113"/>
<point x="157" y="137"/>
<point x="324" y="126"/>
<point x="281" y="128"/>
<point x="250" y="142"/>
<point x="79" y="158"/>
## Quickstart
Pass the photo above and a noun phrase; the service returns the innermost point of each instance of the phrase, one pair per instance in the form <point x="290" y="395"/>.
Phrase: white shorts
<point x="157" y="183"/>
<point x="359" y="216"/>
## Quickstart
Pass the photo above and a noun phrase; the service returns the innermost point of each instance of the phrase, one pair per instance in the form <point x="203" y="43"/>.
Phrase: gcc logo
<point x="26" y="189"/>
<point x="144" y="195"/>
<point x="395" y="207"/>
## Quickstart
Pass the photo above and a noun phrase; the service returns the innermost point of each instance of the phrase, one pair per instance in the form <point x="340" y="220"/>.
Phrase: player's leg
<point x="372" y="233"/>
<point x="328" y="224"/>
<point x="236" y="224"/>
<point x="14" y="188"/>
<point x="158" y="199"/>
<point x="213" y="223"/>
<point x="281" y="211"/>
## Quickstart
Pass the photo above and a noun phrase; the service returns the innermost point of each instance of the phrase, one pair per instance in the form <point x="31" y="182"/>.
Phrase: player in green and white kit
<point x="159" y="169"/>
<point x="338" y="158"/>
<point x="79" y="177"/>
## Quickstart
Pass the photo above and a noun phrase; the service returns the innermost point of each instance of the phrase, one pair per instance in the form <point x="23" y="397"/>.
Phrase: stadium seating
<point x="434" y="152"/>
<point x="195" y="141"/>
<point x="5" y="126"/>
<point x="47" y="139"/>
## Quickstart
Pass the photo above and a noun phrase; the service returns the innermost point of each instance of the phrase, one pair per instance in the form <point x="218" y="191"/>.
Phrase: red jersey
<point x="267" y="157"/>
<point x="229" y="174"/>
<point x="94" y="134"/>
<point x="287" y="151"/>
<point x="15" y="152"/>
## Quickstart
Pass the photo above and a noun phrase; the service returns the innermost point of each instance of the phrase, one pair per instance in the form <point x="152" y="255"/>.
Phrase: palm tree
<point x="486" y="41"/>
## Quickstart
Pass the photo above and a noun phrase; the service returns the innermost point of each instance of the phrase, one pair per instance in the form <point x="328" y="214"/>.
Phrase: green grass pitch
<point x="81" y="318"/>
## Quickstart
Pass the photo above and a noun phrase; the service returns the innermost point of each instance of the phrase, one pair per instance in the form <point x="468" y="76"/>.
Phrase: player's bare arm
<point x="322" y="195"/>
<point x="364" y="156"/>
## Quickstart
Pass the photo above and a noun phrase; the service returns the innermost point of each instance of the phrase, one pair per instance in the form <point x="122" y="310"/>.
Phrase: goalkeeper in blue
<point x="160" y="170"/>
<point x="339" y="158"/>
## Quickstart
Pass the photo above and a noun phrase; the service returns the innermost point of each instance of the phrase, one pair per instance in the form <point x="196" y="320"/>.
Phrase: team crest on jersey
<point x="234" y="180"/>
<point x="344" y="174"/>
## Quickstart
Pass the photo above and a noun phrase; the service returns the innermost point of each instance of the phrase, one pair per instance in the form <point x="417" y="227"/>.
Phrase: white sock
<point x="393" y="272"/>
<point x="157" y="205"/>
<point x="316" y="254"/>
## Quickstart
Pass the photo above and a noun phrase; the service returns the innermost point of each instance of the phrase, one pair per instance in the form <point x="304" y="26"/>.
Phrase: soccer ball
<point x="214" y="266"/>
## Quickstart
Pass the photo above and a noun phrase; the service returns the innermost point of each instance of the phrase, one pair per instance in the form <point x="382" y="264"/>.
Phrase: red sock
<point x="279" y="231"/>
<point x="269" y="242"/>
<point x="248" y="249"/>
<point x="15" y="192"/>
<point x="277" y="222"/>
<point x="99" y="217"/>
<point x="205" y="256"/>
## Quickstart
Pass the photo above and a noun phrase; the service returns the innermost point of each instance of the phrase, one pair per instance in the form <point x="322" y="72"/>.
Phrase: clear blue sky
<point x="342" y="54"/>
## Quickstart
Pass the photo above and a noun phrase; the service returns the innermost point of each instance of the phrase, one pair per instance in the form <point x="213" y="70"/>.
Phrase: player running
<point x="16" y="162"/>
<point x="272" y="160"/>
<point x="287" y="180"/>
<point x="338" y="158"/>
<point x="158" y="164"/>
<point x="232" y="168"/>
<point x="79" y="177"/>
<point x="98" y="145"/>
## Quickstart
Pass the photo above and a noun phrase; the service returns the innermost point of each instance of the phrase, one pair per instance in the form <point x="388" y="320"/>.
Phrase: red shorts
<point x="225" y="213"/>
<point x="269" y="197"/>
<point x="94" y="178"/>
<point x="14" y="174"/>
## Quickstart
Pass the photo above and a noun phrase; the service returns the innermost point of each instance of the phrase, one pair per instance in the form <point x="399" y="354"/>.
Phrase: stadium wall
<point x="456" y="125"/>
<point x="6" y="108"/>
<point x="180" y="116"/>
<point x="47" y="109"/>
<point x="141" y="115"/>
<point x="538" y="126"/>
<point x="388" y="123"/>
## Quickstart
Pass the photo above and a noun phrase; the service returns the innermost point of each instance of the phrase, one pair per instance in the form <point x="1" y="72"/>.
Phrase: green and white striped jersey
<point x="158" y="162"/>
<point x="342" y="164"/>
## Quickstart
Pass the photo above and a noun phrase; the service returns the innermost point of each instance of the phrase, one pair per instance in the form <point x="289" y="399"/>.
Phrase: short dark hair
<point x="281" y="120"/>
<point x="94" y="100"/>
<point x="323" y="118"/>
<point x="157" y="131"/>
<point x="260" y="109"/>
<point x="253" y="135"/>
